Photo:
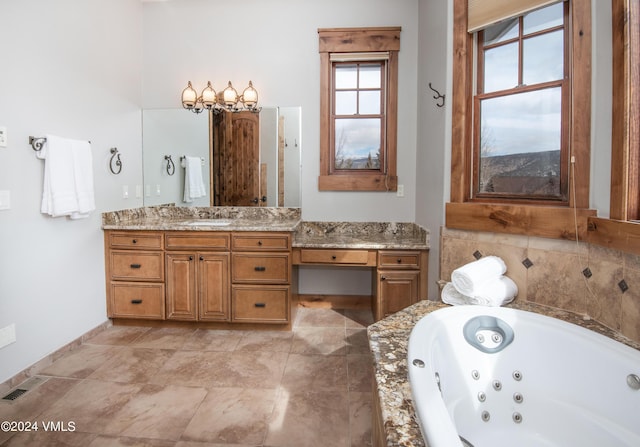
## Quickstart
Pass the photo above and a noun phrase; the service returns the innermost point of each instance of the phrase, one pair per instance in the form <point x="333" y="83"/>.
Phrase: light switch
<point x="125" y="191"/>
<point x="138" y="191"/>
<point x="5" y="200"/>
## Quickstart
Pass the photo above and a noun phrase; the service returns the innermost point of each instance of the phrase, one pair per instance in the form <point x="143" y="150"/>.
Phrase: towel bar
<point x="184" y="157"/>
<point x="37" y="142"/>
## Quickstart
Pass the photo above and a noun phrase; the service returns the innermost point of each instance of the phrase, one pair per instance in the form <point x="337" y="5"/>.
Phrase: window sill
<point x="358" y="182"/>
<point x="527" y="220"/>
<point x="615" y="234"/>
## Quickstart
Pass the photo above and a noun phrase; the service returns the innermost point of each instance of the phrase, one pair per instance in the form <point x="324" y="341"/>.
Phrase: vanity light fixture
<point x="226" y="100"/>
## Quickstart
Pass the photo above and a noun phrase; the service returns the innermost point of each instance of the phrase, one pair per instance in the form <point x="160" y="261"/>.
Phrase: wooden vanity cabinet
<point x="198" y="279"/>
<point x="400" y="280"/>
<point x="135" y="274"/>
<point x="261" y="277"/>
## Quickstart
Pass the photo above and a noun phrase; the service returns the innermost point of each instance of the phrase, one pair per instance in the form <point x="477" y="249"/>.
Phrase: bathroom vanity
<point x="220" y="266"/>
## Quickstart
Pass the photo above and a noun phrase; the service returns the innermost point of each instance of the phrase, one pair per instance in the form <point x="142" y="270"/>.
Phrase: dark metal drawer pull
<point x="136" y="266"/>
<point x="136" y="301"/>
<point x="260" y="305"/>
<point x="333" y="257"/>
<point x="260" y="269"/>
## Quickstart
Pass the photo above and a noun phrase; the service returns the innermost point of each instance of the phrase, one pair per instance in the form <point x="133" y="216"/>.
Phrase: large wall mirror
<point x="171" y="137"/>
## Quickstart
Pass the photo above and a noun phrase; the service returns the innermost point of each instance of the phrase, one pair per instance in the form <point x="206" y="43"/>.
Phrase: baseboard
<point x="47" y="360"/>
<point x="335" y="301"/>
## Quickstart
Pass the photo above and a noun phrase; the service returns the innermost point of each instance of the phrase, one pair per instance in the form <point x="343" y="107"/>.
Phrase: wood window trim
<point x="618" y="232"/>
<point x="351" y="40"/>
<point x="517" y="218"/>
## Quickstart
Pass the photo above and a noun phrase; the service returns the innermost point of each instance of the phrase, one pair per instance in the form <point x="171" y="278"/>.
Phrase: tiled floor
<point x="131" y="386"/>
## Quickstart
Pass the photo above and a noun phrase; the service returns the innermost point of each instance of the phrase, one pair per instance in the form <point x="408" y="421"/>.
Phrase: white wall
<point x="275" y="45"/>
<point x="70" y="68"/>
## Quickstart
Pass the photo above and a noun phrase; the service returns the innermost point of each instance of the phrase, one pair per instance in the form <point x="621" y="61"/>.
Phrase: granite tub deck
<point x="388" y="341"/>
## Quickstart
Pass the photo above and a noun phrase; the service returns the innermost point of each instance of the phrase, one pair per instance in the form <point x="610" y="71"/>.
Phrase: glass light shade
<point x="230" y="96"/>
<point x="208" y="96"/>
<point x="250" y="96"/>
<point x="189" y="97"/>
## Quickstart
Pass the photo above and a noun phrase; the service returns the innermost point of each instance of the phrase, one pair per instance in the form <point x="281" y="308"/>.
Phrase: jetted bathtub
<point x="492" y="376"/>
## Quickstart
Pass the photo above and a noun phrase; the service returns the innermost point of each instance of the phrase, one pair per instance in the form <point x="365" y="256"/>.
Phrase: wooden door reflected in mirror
<point x="235" y="160"/>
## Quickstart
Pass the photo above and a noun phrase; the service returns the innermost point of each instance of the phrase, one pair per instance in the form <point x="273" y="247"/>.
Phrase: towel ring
<point x="171" y="166"/>
<point x="117" y="163"/>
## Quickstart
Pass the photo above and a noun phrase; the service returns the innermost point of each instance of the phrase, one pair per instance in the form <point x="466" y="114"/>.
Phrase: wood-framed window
<point x="621" y="231"/>
<point x="358" y="108"/>
<point x="521" y="108"/>
<point x="538" y="216"/>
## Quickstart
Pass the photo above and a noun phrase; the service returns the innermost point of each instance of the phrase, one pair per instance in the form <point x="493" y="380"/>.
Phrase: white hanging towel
<point x="68" y="178"/>
<point x="193" y="181"/>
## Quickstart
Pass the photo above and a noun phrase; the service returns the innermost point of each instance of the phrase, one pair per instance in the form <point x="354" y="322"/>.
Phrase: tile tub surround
<point x="167" y="217"/>
<point x="556" y="277"/>
<point x="388" y="341"/>
<point x="361" y="235"/>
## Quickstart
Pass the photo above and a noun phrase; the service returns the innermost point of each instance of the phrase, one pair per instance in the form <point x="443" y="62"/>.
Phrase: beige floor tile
<point x="91" y="405"/>
<point x="223" y="369"/>
<point x="213" y="340"/>
<point x="357" y="341"/>
<point x="81" y="362"/>
<point x="358" y="318"/>
<point x="310" y="419"/>
<point x="315" y="372"/>
<point x="319" y="340"/>
<point x="164" y="338"/>
<point x="42" y="438"/>
<point x="133" y="365"/>
<point x="117" y="335"/>
<point x="360" y="372"/>
<point x="360" y="407"/>
<point x="232" y="416"/>
<point x="108" y="441"/>
<point x="312" y="317"/>
<point x="268" y="341"/>
<point x="157" y="412"/>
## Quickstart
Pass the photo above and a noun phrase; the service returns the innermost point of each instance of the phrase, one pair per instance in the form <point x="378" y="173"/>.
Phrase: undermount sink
<point x="208" y="223"/>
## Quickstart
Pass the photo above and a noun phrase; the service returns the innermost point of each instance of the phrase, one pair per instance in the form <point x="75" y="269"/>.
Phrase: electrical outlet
<point x="400" y="191"/>
<point x="3" y="136"/>
<point x="7" y="335"/>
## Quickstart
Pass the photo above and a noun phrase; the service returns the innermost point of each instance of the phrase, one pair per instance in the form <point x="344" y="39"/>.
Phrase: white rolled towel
<point x="450" y="295"/>
<point x="468" y="278"/>
<point x="496" y="292"/>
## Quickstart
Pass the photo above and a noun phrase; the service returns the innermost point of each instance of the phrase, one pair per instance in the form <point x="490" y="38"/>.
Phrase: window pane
<point x="501" y="68"/>
<point x="370" y="102"/>
<point x="543" y="18"/>
<point x="543" y="58"/>
<point x="501" y="32"/>
<point x="357" y="144"/>
<point x="346" y="103"/>
<point x="370" y="76"/>
<point x="346" y="76"/>
<point x="520" y="140"/>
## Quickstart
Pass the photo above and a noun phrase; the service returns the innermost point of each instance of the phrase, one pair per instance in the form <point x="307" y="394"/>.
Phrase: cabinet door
<point x="181" y="286"/>
<point x="213" y="286"/>
<point x="396" y="290"/>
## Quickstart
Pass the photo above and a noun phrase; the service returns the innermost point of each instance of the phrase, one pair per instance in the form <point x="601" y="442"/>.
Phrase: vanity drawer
<point x="137" y="265"/>
<point x="135" y="239"/>
<point x="399" y="259"/>
<point x="261" y="268"/>
<point x="137" y="300"/>
<point x="261" y="241"/>
<point x="333" y="256"/>
<point x="263" y="304"/>
<point x="197" y="240"/>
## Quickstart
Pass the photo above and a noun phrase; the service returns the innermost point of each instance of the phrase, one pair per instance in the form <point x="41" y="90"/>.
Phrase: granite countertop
<point x="170" y="218"/>
<point x="350" y="235"/>
<point x="364" y="235"/>
<point x="388" y="341"/>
